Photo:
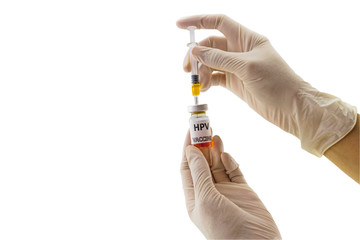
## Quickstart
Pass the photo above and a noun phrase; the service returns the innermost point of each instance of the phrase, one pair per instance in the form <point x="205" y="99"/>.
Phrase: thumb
<point x="232" y="168"/>
<point x="200" y="172"/>
<point x="218" y="59"/>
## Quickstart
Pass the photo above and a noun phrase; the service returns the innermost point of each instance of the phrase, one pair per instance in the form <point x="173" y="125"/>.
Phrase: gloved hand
<point x="251" y="68"/>
<point x="218" y="199"/>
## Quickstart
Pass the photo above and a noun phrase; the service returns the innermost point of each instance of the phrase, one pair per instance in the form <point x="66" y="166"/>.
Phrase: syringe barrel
<point x="192" y="43"/>
<point x="194" y="64"/>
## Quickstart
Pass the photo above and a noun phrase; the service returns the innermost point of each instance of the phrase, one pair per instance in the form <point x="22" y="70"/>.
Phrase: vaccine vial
<point x="200" y="131"/>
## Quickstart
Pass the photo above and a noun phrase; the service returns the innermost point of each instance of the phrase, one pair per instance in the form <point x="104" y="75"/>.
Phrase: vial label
<point x="200" y="131"/>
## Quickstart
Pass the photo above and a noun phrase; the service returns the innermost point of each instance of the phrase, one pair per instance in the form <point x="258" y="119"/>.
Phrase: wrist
<point x="322" y="119"/>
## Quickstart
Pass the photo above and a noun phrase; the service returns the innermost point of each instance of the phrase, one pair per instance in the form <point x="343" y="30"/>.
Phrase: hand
<point x="218" y="199"/>
<point x="245" y="63"/>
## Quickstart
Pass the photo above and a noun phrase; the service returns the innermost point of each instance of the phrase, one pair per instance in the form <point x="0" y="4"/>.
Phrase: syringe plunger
<point x="192" y="33"/>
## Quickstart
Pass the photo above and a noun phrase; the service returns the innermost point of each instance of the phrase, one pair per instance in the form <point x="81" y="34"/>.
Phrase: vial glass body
<point x="200" y="131"/>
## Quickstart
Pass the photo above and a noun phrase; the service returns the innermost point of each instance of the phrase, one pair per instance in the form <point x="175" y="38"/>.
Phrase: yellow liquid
<point x="196" y="89"/>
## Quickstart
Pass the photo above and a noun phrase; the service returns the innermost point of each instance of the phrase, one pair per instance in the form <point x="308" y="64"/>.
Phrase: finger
<point x="216" y="21"/>
<point x="205" y="77"/>
<point x="187" y="141"/>
<point x="200" y="172"/>
<point x="205" y="72"/>
<point x="209" y="78"/>
<point x="217" y="167"/>
<point x="186" y="63"/>
<point x="213" y="41"/>
<point x="217" y="79"/>
<point x="187" y="182"/>
<point x="218" y="59"/>
<point x="232" y="168"/>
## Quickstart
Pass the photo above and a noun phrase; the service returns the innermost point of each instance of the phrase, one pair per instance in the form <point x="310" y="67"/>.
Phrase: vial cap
<point x="198" y="108"/>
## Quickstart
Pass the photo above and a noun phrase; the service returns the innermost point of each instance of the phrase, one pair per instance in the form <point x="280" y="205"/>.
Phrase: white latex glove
<point x="218" y="199"/>
<point x="251" y="68"/>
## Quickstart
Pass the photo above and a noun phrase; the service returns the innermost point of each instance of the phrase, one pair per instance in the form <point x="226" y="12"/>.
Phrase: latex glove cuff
<point x="322" y="120"/>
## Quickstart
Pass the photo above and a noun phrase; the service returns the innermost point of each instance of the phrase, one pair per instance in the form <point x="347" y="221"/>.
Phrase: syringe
<point x="194" y="66"/>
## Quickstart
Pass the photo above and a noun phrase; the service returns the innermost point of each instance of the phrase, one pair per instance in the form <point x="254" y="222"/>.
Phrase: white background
<point x="93" y="117"/>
